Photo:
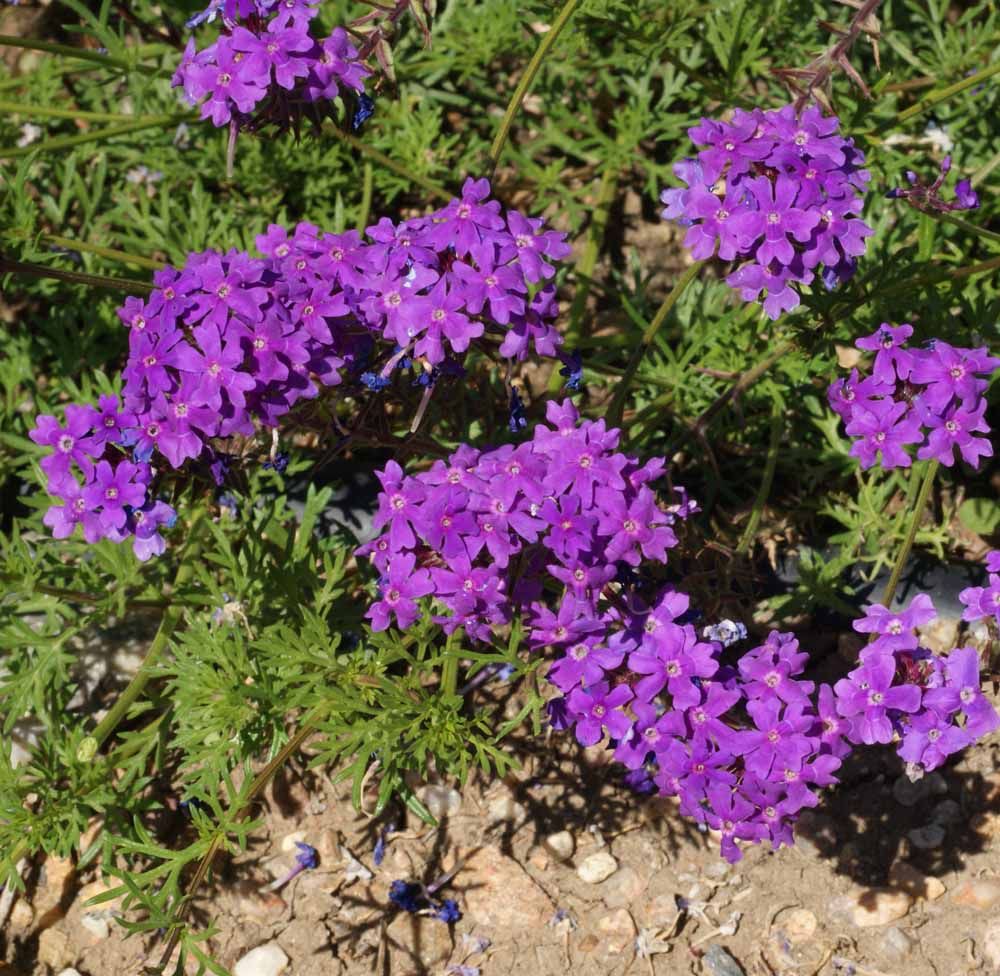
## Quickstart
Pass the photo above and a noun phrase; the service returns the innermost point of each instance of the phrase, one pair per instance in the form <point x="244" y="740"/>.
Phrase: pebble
<point x="266" y="960"/>
<point x="505" y="809"/>
<point x="424" y="944"/>
<point x="798" y="925"/>
<point x="719" y="962"/>
<point x="22" y="916"/>
<point x="981" y="893"/>
<point x="289" y="841"/>
<point x="928" y="837"/>
<point x="54" y="949"/>
<point x="442" y="801"/>
<point x="879" y="906"/>
<point x="96" y="924"/>
<point x="896" y="943"/>
<point x="624" y="889"/>
<point x="597" y="867"/>
<point x="987" y="825"/>
<point x="909" y="793"/>
<point x="913" y="882"/>
<point x="70" y="972"/>
<point x="500" y="894"/>
<point x="560" y="845"/>
<point x="941" y="635"/>
<point x="947" y="813"/>
<point x="991" y="944"/>
<point x="617" y="931"/>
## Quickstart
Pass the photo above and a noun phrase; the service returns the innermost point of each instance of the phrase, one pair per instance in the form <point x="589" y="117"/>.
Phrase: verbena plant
<point x="321" y="285"/>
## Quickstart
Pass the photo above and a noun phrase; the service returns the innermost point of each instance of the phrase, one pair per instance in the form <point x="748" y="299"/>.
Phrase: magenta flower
<point x="401" y="587"/>
<point x="961" y="692"/>
<point x="599" y="708"/>
<point x="948" y="372"/>
<point x="892" y="360"/>
<point x="896" y="629"/>
<point x="883" y="430"/>
<point x="867" y="694"/>
<point x="776" y="220"/>
<point x="72" y="444"/>
<point x="955" y="428"/>
<point x="113" y="490"/>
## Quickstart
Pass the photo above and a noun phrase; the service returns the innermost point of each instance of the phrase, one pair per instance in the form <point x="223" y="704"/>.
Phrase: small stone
<point x="70" y="972"/>
<point x="424" y="943"/>
<point x="979" y="893"/>
<point x="991" y="944"/>
<point x="442" y="801"/>
<point x="54" y="949"/>
<point x="947" y="813"/>
<point x="896" y="943"/>
<point x="717" y="869"/>
<point x="48" y="901"/>
<point x="96" y="924"/>
<point x="266" y="960"/>
<point x="22" y="916"/>
<point x="941" y="635"/>
<point x="617" y="931"/>
<point x="879" y="906"/>
<point x="289" y="841"/>
<point x="505" y="809"/>
<point x="597" y="867"/>
<point x="719" y="962"/>
<point x="624" y="888"/>
<point x="798" y="925"/>
<point x="914" y="883"/>
<point x="928" y="837"/>
<point x="909" y="793"/>
<point x="560" y="845"/>
<point x="987" y="825"/>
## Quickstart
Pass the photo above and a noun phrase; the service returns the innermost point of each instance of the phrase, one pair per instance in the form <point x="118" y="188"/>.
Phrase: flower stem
<point x="68" y="142"/>
<point x="911" y="532"/>
<point x="84" y="247"/>
<point x="966" y="225"/>
<point x="171" y="618"/>
<point x="941" y="94"/>
<point x="526" y="81"/>
<point x="777" y="428"/>
<point x="74" y="277"/>
<point x="617" y="408"/>
<point x="51" y="112"/>
<point x="81" y="54"/>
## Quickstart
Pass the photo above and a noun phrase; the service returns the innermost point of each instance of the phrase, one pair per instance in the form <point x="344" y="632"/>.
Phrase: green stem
<point x="449" y="670"/>
<point x="584" y="271"/>
<point x="941" y="94"/>
<point x="306" y="728"/>
<point x="936" y="277"/>
<point x="171" y="618"/>
<point x="51" y="112"/>
<point x="968" y="227"/>
<point x="777" y="428"/>
<point x="526" y="81"/>
<point x="364" y="211"/>
<point x="78" y="596"/>
<point x="81" y="54"/>
<point x="911" y="532"/>
<point x="84" y="247"/>
<point x="387" y="163"/>
<point x="68" y="142"/>
<point x="614" y="415"/>
<point x="75" y="277"/>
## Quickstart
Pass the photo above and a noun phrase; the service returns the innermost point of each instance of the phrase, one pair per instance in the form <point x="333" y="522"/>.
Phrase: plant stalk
<point x="74" y="277"/>
<point x="526" y="81"/>
<point x="911" y="533"/>
<point x="777" y="429"/>
<point x="48" y="47"/>
<point x="617" y="408"/>
<point x="68" y="142"/>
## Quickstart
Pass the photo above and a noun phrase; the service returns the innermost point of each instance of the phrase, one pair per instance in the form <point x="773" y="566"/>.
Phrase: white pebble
<point x="266" y="960"/>
<point x="597" y="868"/>
<point x="560" y="845"/>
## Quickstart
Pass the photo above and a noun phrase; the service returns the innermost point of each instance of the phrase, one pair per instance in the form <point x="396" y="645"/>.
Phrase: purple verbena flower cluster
<point x="266" y="64"/>
<point x="931" y="397"/>
<point x="901" y="691"/>
<point x="231" y="343"/>
<point x="97" y="484"/>
<point x="927" y="196"/>
<point x="983" y="602"/>
<point x="779" y="194"/>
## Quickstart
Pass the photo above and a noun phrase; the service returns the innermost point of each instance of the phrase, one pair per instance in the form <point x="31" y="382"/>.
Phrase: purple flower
<point x="948" y="372"/>
<point x="776" y="219"/>
<point x="598" y="708"/>
<point x="892" y="360"/>
<point x="113" y="489"/>
<point x="780" y="740"/>
<point x="883" y="430"/>
<point x="72" y="444"/>
<point x="867" y="694"/>
<point x="961" y="692"/>
<point x="400" y="588"/>
<point x="955" y="429"/>
<point x="896" y="629"/>
<point x="930" y="739"/>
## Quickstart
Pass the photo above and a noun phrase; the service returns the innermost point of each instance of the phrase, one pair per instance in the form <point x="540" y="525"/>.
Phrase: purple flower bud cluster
<point x="231" y="343"/>
<point x="931" y="397"/>
<point x="266" y="64"/>
<point x="927" y="196"/>
<point x="984" y="601"/>
<point x="778" y="193"/>
<point x="96" y="483"/>
<point x="932" y="705"/>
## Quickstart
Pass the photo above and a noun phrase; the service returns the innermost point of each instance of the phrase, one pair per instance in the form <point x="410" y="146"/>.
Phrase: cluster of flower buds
<point x="931" y="397"/>
<point x="230" y="343"/>
<point x="927" y="196"/>
<point x="98" y="486"/>
<point x="266" y="65"/>
<point x="983" y="602"/>
<point x="901" y="691"/>
<point x="778" y="193"/>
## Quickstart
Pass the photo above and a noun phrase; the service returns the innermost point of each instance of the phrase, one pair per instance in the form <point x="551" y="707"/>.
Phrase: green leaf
<point x="980" y="515"/>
